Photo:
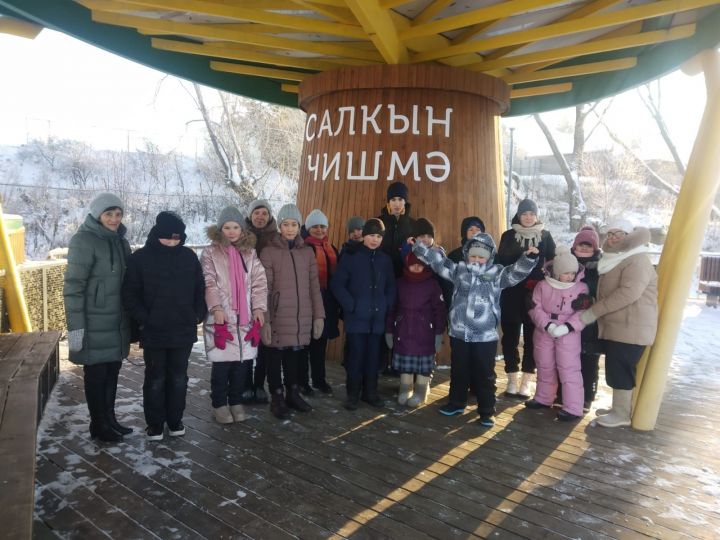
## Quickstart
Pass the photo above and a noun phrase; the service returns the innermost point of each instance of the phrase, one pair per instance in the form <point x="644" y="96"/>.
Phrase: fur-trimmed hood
<point x="640" y="236"/>
<point x="247" y="241"/>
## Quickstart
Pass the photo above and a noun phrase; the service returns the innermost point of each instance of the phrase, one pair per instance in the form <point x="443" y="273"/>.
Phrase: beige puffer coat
<point x="218" y="292"/>
<point x="626" y="304"/>
<point x="294" y="299"/>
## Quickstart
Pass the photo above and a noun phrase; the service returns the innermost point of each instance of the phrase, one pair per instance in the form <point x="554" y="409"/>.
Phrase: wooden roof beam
<point x="573" y="71"/>
<point x="302" y="24"/>
<point x="379" y="25"/>
<point x="268" y="73"/>
<point x="544" y="90"/>
<point x="208" y="49"/>
<point x="589" y="47"/>
<point x="207" y="31"/>
<point x="491" y="13"/>
<point x="432" y="10"/>
<point x="623" y="16"/>
<point x="585" y="11"/>
<point x="19" y="28"/>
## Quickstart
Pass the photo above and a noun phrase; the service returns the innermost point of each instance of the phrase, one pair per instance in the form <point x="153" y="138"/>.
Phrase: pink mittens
<point x="222" y="334"/>
<point x="253" y="335"/>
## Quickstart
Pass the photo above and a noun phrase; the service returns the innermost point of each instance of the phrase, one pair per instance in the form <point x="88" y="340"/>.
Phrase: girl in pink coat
<point x="236" y="296"/>
<point x="556" y="337"/>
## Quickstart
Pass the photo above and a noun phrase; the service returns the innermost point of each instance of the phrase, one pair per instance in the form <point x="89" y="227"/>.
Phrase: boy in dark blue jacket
<point x="364" y="284"/>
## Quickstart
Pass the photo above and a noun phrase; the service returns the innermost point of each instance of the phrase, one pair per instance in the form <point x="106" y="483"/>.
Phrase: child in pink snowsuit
<point x="557" y="335"/>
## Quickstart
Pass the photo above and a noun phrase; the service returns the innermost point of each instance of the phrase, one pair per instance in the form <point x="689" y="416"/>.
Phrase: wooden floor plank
<point x="393" y="473"/>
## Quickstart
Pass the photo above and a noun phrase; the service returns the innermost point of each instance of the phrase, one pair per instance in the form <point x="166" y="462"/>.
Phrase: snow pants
<point x="559" y="358"/>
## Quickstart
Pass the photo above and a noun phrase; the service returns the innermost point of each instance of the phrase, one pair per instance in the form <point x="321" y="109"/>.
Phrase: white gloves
<point x="560" y="331"/>
<point x="75" y="339"/>
<point x="588" y="317"/>
<point x="317" y="329"/>
<point x="389" y="340"/>
<point x="266" y="334"/>
<point x="551" y="328"/>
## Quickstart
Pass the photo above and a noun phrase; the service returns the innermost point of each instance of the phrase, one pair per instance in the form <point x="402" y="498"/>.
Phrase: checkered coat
<point x="475" y="311"/>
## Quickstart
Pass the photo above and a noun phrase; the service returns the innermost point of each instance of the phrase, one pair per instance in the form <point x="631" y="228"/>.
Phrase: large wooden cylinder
<point x="432" y="127"/>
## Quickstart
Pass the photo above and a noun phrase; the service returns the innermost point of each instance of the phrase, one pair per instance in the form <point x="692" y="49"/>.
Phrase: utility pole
<point x="509" y="182"/>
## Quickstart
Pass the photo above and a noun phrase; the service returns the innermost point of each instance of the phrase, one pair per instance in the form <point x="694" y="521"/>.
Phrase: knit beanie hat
<point x="411" y="259"/>
<point x="470" y="222"/>
<point x="481" y="245"/>
<point x="259" y="203"/>
<point x="563" y="262"/>
<point x="316" y="217"/>
<point x="373" y="226"/>
<point x="527" y="205"/>
<point x="169" y="225"/>
<point x="397" y="189"/>
<point x="355" y="222"/>
<point x="587" y="235"/>
<point x="620" y="224"/>
<point x="105" y="201"/>
<point x="230" y="213"/>
<point x="289" y="211"/>
<point x="423" y="226"/>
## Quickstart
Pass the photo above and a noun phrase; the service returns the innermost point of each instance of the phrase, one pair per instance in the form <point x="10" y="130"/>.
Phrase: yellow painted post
<point x="684" y="240"/>
<point x="17" y="309"/>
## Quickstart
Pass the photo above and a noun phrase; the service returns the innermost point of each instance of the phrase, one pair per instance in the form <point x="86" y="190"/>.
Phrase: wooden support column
<point x="432" y="127"/>
<point x="684" y="240"/>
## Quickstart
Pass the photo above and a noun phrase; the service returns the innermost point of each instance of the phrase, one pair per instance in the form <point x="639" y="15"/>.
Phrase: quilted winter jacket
<point x="552" y="303"/>
<point x="475" y="311"/>
<point x="294" y="298"/>
<point x="364" y="284"/>
<point x="218" y="292"/>
<point x="626" y="304"/>
<point x="164" y="290"/>
<point x="93" y="293"/>
<point x="418" y="316"/>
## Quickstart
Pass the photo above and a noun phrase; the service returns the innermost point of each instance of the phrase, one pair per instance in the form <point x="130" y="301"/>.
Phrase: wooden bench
<point x="29" y="367"/>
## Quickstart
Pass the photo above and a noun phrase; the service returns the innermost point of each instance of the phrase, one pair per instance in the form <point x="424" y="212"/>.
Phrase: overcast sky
<point x="56" y="85"/>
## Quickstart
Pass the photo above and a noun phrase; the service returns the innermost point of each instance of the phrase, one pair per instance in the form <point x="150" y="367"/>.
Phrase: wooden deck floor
<point x="394" y="474"/>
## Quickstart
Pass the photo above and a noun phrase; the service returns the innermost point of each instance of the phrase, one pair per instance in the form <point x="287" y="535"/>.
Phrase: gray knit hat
<point x="481" y="245"/>
<point x="316" y="217"/>
<point x="230" y="213"/>
<point x="289" y="211"/>
<point x="103" y="201"/>
<point x="564" y="262"/>
<point x="355" y="222"/>
<point x="258" y="203"/>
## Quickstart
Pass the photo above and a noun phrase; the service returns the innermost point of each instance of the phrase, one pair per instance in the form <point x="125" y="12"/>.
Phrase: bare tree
<point x="577" y="209"/>
<point x="651" y="98"/>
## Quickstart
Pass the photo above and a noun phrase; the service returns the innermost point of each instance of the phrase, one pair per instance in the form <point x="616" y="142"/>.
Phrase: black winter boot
<point x="294" y="400"/>
<point x="277" y="405"/>
<point x="110" y="393"/>
<point x="353" y="395"/>
<point x="99" y="425"/>
<point x="370" y="392"/>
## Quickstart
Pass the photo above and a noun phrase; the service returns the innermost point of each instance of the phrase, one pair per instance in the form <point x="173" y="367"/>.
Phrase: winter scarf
<point x="528" y="236"/>
<point x="611" y="260"/>
<point x="413" y="277"/>
<point x="237" y="282"/>
<point x="325" y="258"/>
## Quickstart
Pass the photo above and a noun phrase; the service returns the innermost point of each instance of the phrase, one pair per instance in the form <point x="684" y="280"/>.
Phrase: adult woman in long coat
<point x="626" y="311"/>
<point x="98" y="326"/>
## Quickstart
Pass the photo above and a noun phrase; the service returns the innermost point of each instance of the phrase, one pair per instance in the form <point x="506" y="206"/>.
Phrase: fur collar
<point x="639" y="237"/>
<point x="246" y="243"/>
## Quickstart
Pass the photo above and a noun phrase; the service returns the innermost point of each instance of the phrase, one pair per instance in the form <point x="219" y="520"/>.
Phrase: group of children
<point x="271" y="289"/>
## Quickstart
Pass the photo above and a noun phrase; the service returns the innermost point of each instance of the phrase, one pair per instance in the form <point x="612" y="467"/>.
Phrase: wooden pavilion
<point x="412" y="91"/>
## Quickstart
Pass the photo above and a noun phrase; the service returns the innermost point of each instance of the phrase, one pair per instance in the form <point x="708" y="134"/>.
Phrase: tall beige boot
<point x="512" y="385"/>
<point x="406" y="381"/>
<point x="422" y="387"/>
<point x="526" y="386"/>
<point x="620" y="413"/>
